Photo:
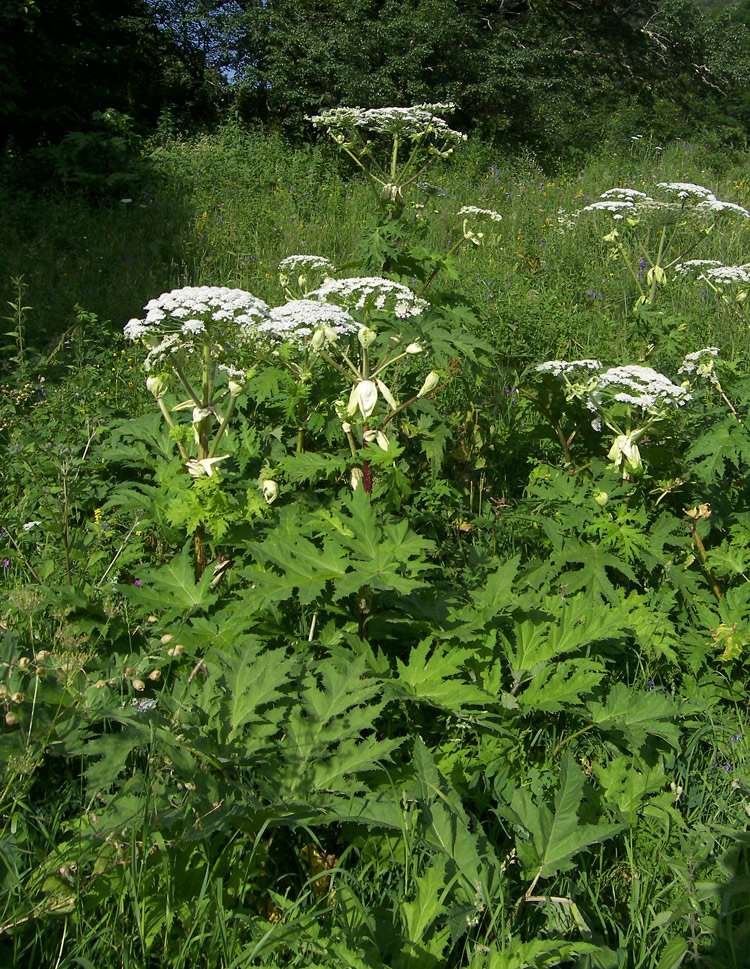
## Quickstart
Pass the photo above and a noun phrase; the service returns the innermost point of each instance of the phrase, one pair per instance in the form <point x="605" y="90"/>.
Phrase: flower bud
<point x="430" y="383"/>
<point x="154" y="675"/>
<point x="42" y="655"/>
<point x="346" y="427"/>
<point x="318" y="340"/>
<point x="11" y="719"/>
<point x="382" y="440"/>
<point x="100" y="684"/>
<point x="24" y="662"/>
<point x="16" y="698"/>
<point x="355" y="478"/>
<point x="366" y="395"/>
<point x="270" y="490"/>
<point x="138" y="685"/>
<point x="236" y="387"/>
<point x="601" y="498"/>
<point x="166" y="638"/>
<point x="366" y="337"/>
<point x="387" y="394"/>
<point x="158" y="384"/>
<point x="414" y="348"/>
<point x="176" y="650"/>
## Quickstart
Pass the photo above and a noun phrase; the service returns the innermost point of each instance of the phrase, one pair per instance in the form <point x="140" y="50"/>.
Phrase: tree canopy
<point x="548" y="74"/>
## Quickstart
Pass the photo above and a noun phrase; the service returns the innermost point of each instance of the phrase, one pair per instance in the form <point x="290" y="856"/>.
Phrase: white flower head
<point x="557" y="367"/>
<point x="616" y="206"/>
<point x="421" y="120"/>
<point x="726" y="275"/>
<point x="370" y="292"/>
<point x="484" y="215"/>
<point x="182" y="318"/>
<point x="301" y="317"/>
<point x="695" y="266"/>
<point x="687" y="190"/>
<point x="701" y="363"/>
<point x="730" y="208"/>
<point x="641" y="387"/>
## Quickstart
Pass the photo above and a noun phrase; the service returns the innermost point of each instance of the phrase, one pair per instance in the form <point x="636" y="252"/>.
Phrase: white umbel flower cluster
<point x="641" y="387"/>
<point x="416" y="121"/>
<point x="558" y="367"/>
<point x="299" y="264"/>
<point x="370" y="293"/>
<point x="193" y="309"/>
<point x="300" y="317"/>
<point x="486" y="215"/>
<point x="701" y="363"/>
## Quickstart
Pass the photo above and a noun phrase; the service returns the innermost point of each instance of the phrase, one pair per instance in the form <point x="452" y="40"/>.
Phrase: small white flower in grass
<point x="370" y="292"/>
<point x="485" y="215"/>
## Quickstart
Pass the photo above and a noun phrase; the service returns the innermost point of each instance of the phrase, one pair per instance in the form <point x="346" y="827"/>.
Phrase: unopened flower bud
<point x="154" y="675"/>
<point x="364" y="397"/>
<point x="601" y="498"/>
<point x="16" y="698"/>
<point x="382" y="440"/>
<point x="346" y="427"/>
<point x="366" y="336"/>
<point x="236" y="388"/>
<point x="176" y="650"/>
<point x="270" y="490"/>
<point x="42" y="655"/>
<point x="138" y="685"/>
<point x="318" y="340"/>
<point x="414" y="348"/>
<point x="430" y="383"/>
<point x="100" y="684"/>
<point x="24" y="662"/>
<point x="166" y="638"/>
<point x="158" y="384"/>
<point x="355" y="478"/>
<point x="11" y="719"/>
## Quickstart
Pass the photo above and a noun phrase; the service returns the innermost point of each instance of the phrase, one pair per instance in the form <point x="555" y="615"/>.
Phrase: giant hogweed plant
<point x="651" y="238"/>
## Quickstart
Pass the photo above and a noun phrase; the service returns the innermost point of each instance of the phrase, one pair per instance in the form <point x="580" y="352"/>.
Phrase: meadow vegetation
<point x="397" y="624"/>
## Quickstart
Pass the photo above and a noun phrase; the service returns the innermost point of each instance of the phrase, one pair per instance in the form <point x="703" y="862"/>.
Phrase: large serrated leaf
<point x="556" y="832"/>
